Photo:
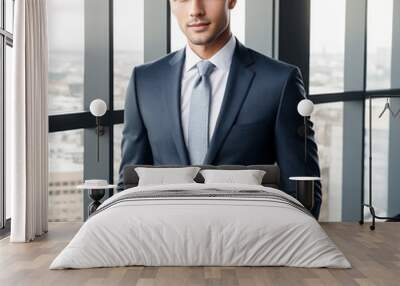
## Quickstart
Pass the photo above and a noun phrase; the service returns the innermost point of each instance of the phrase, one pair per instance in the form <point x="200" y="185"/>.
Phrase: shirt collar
<point x="222" y="59"/>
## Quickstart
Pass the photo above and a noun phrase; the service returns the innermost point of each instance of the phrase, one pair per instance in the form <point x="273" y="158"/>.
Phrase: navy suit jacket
<point x="258" y="121"/>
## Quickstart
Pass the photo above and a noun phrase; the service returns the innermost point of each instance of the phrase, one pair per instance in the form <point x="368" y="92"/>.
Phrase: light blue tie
<point x="199" y="114"/>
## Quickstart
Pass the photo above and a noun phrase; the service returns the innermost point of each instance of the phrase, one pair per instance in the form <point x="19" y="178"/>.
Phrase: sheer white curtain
<point x="27" y="123"/>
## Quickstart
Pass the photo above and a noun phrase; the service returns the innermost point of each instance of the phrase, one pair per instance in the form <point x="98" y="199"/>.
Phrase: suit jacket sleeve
<point x="290" y="140"/>
<point x="135" y="146"/>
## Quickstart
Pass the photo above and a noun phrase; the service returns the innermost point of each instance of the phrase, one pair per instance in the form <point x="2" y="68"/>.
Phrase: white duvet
<point x="200" y="231"/>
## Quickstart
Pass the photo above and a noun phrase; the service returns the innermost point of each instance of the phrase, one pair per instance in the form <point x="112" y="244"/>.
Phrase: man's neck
<point x="207" y="51"/>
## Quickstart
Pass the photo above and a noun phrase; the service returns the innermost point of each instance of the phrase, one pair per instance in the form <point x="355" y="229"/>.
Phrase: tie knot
<point x="205" y="67"/>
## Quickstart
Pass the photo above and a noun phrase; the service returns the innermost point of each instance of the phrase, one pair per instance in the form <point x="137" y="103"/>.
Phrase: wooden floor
<point x="374" y="255"/>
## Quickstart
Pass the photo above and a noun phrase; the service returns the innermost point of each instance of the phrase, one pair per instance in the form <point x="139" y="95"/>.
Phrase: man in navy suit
<point x="248" y="101"/>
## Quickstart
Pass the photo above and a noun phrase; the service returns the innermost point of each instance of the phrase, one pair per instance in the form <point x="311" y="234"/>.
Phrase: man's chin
<point x="201" y="40"/>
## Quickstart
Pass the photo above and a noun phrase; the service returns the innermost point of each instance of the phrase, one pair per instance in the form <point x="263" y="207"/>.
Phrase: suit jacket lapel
<point x="171" y="94"/>
<point x="239" y="81"/>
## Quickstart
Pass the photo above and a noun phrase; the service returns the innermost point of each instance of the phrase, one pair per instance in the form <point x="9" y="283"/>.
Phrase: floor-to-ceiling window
<point x="65" y="95"/>
<point x="128" y="19"/>
<point x="327" y="35"/>
<point x="128" y="44"/>
<point x="380" y="156"/>
<point x="128" y="52"/>
<point x="67" y="114"/>
<point x="379" y="43"/>
<point x="328" y="127"/>
<point x="364" y="33"/>
<point x="6" y="44"/>
<point x="66" y="52"/>
<point x="379" y="54"/>
<point x="65" y="173"/>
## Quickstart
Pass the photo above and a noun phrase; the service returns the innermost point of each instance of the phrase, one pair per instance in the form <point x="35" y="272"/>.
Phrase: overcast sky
<point x="328" y="24"/>
<point x="65" y="18"/>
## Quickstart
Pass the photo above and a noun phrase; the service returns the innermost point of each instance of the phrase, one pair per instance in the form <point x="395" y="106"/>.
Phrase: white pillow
<point x="248" y="177"/>
<point x="161" y="176"/>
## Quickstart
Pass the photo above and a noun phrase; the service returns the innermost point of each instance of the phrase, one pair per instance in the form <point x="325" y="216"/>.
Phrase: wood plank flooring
<point x="374" y="255"/>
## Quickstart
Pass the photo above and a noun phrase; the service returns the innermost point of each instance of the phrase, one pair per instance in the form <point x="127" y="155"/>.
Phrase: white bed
<point x="184" y="230"/>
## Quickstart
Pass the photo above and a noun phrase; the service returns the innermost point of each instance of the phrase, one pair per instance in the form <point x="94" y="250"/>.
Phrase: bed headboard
<point x="270" y="179"/>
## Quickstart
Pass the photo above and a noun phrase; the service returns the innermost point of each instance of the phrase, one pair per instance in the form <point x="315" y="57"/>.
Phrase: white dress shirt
<point x="218" y="78"/>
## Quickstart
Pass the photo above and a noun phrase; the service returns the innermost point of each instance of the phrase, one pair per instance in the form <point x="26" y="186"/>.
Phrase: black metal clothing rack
<point x="369" y="205"/>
